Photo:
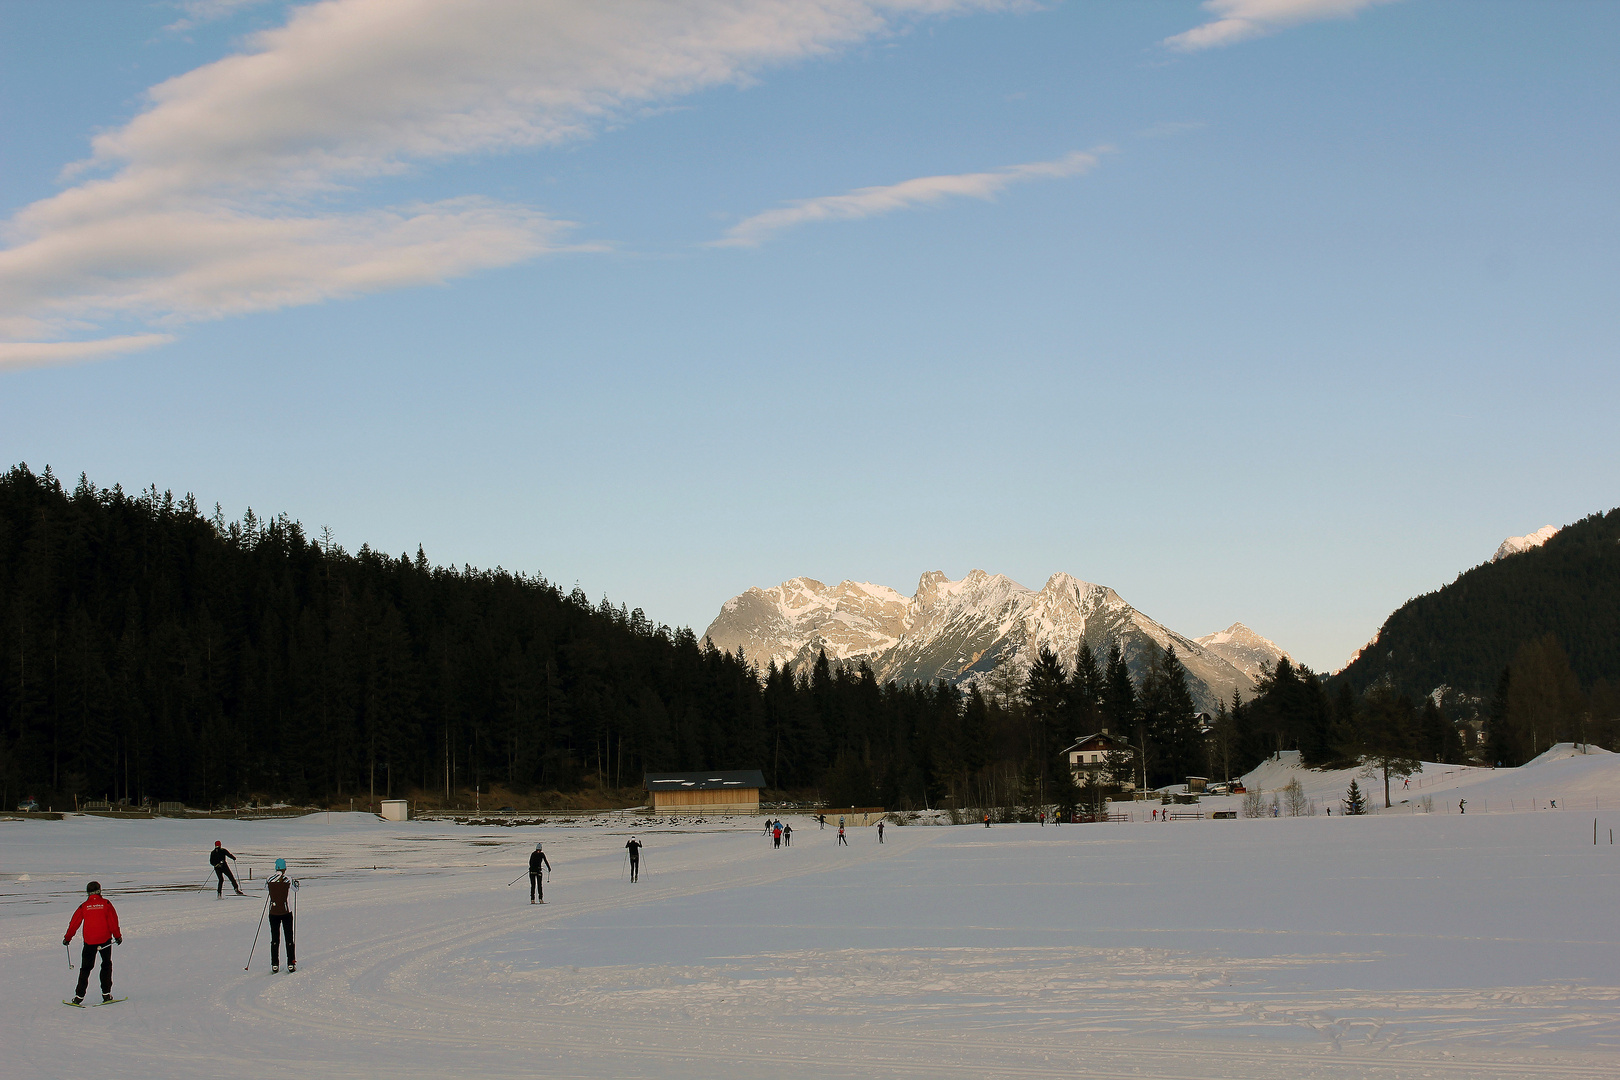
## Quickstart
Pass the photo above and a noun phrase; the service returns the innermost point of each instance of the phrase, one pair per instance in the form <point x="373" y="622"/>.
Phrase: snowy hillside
<point x="960" y="630"/>
<point x="1515" y="544"/>
<point x="1571" y="776"/>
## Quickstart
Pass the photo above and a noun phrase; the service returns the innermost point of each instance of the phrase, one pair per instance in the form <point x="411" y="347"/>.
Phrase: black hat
<point x="93" y="887"/>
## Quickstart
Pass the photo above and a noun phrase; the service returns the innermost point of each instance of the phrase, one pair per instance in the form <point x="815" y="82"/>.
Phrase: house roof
<point x="1100" y="739"/>
<point x="705" y="781"/>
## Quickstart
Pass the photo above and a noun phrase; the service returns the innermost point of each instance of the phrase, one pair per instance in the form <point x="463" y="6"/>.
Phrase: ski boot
<point x="106" y="999"/>
<point x="291" y="968"/>
<point x="78" y="1001"/>
<point x="274" y="968"/>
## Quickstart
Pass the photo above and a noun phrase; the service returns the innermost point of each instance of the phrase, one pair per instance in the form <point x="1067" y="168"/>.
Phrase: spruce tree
<point x="1355" y="803"/>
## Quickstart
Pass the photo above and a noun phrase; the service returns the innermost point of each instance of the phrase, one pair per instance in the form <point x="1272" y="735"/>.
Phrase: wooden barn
<point x="706" y="792"/>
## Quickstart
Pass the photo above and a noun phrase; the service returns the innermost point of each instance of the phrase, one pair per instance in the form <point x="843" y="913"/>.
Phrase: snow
<point x="1394" y="945"/>
<point x="1562" y="774"/>
<point x="1515" y="544"/>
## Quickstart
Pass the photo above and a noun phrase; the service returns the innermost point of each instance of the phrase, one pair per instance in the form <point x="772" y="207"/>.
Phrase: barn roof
<point x="705" y="781"/>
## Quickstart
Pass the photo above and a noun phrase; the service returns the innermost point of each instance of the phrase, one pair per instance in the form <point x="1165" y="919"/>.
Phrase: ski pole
<point x="69" y="950"/>
<point x="517" y="879"/>
<point x="256" y="933"/>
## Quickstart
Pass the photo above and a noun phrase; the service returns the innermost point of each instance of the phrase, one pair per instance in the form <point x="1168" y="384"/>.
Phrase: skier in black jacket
<point x="222" y="870"/>
<point x="537" y="889"/>
<point x="633" y="846"/>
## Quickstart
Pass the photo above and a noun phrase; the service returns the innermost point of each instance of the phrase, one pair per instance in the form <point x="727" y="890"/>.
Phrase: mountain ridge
<point x="967" y="629"/>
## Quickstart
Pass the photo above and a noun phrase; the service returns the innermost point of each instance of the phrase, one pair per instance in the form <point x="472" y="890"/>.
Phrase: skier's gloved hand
<point x="67" y="941"/>
<point x="119" y="940"/>
<point x="295" y="883"/>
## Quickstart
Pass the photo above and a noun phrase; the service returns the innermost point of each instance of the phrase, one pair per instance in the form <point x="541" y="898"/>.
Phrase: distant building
<point x="1088" y="760"/>
<point x="706" y="792"/>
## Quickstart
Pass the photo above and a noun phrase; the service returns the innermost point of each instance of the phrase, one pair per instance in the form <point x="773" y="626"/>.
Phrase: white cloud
<point x="1240" y="20"/>
<point x="22" y="354"/>
<point x="906" y="195"/>
<point x="222" y="196"/>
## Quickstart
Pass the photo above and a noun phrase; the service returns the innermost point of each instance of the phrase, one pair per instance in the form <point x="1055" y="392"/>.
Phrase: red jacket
<point x="99" y="919"/>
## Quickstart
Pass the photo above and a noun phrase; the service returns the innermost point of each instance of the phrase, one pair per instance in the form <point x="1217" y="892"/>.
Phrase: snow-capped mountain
<point x="1244" y="649"/>
<point x="967" y="629"/>
<point x="1515" y="544"/>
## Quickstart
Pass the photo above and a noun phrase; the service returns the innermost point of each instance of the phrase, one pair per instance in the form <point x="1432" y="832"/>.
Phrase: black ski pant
<point x="635" y="869"/>
<point x="87" y="960"/>
<point x="221" y="872"/>
<point x="537" y="888"/>
<point x="277" y="923"/>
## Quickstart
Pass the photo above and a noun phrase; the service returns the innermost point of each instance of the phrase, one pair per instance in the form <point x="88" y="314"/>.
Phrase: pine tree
<point x="1355" y="803"/>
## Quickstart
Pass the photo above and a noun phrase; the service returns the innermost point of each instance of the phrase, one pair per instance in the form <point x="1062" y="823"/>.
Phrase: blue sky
<point x="1280" y="311"/>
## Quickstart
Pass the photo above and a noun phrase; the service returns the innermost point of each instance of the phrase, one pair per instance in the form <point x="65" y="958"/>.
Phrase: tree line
<point x="152" y="653"/>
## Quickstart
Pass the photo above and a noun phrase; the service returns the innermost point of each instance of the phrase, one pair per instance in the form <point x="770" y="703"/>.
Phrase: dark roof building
<point x="1088" y="759"/>
<point x="719" y="792"/>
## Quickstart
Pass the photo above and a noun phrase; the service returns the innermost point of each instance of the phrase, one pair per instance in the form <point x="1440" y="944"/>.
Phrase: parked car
<point x="28" y="804"/>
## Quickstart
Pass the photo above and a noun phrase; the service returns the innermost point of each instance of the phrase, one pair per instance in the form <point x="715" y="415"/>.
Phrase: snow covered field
<point x="1400" y="945"/>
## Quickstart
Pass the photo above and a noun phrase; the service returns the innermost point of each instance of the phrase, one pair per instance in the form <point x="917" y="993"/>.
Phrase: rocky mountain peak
<point x="960" y="630"/>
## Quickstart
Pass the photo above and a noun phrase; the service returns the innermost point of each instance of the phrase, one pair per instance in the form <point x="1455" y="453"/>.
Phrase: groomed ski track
<point x="734" y="959"/>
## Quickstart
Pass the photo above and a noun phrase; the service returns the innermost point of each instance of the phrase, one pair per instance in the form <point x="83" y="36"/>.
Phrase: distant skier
<point x="880" y="832"/>
<point x="537" y="888"/>
<point x="100" y="924"/>
<point x="787" y="835"/>
<point x="1462" y="806"/>
<point x="776" y="835"/>
<point x="841" y="838"/>
<point x="633" y="846"/>
<point x="1043" y="819"/>
<point x="987" y="820"/>
<point x="823" y="819"/>
<point x="280" y="887"/>
<point x="222" y="869"/>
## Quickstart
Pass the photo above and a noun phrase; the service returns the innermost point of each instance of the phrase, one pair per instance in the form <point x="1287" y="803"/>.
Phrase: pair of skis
<point x="93" y="1004"/>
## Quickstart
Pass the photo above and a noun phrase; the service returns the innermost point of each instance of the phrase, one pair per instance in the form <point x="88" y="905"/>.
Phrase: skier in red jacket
<point x="100" y="924"/>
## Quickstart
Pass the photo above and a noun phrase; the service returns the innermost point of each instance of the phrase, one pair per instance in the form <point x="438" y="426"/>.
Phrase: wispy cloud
<point x="201" y="12"/>
<point x="227" y="193"/>
<point x="25" y="354"/>
<point x="906" y="195"/>
<point x="1240" y="20"/>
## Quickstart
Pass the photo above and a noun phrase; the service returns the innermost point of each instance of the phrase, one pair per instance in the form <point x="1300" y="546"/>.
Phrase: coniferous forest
<point x="155" y="653"/>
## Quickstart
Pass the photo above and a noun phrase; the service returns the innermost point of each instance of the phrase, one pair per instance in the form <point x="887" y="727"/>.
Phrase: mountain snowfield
<point x="967" y="629"/>
<point x="1515" y="544"/>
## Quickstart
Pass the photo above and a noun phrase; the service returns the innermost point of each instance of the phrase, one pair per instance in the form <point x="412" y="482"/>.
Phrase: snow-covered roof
<point x="1100" y="739"/>
<point x="705" y="781"/>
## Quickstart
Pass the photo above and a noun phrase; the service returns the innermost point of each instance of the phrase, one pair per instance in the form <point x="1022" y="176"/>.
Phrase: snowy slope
<point x="1392" y="946"/>
<point x="961" y="630"/>
<point x="1565" y="774"/>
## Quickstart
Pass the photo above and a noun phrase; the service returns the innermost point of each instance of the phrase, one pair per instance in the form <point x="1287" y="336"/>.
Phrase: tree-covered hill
<point x="148" y="652"/>
<point x="1466" y="634"/>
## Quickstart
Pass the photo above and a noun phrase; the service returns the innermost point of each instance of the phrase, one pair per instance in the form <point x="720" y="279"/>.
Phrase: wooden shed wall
<point x="716" y="800"/>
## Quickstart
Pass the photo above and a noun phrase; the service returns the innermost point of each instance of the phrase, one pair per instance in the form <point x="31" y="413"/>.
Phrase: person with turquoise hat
<point x="280" y="887"/>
